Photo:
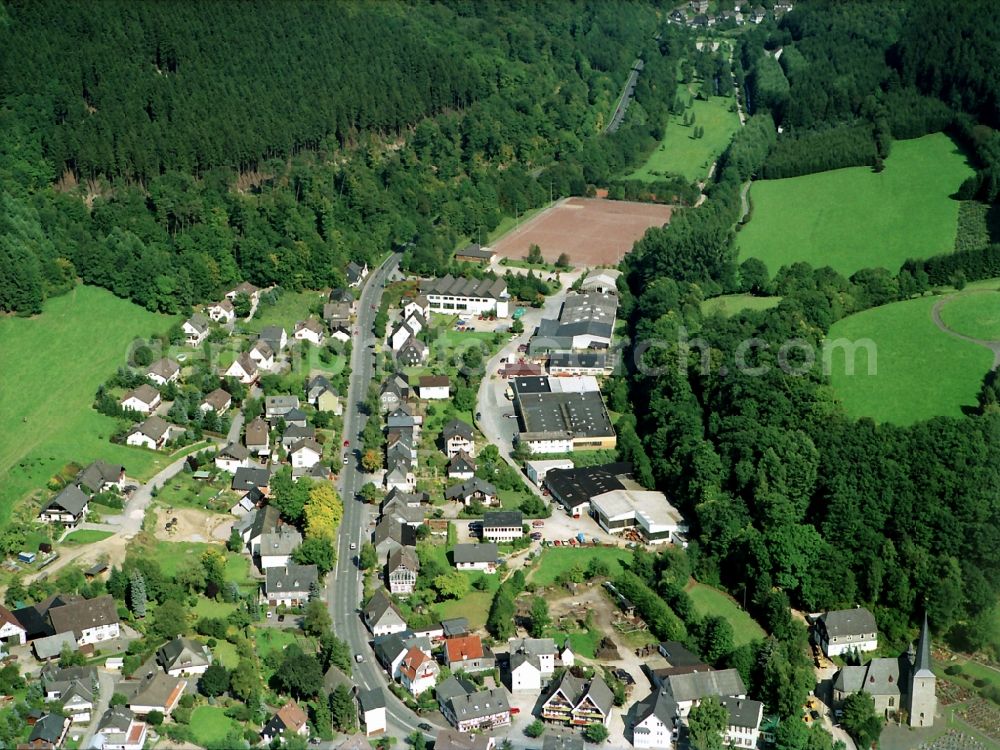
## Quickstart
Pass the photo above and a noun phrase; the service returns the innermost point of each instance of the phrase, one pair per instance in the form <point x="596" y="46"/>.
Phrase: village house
<point x="163" y="371"/>
<point x="195" y="330"/>
<point x="152" y="434"/>
<point x="475" y="253"/>
<point x="118" y="729"/>
<point x="412" y="353"/>
<point x="246" y="288"/>
<point x="310" y="330"/>
<point x="390" y="650"/>
<point x="458" y="437"/>
<point x="688" y="689"/>
<point x="100" y="476"/>
<point x="578" y="702"/>
<point x="144" y="399"/>
<point x="233" y="457"/>
<point x="78" y="702"/>
<point x="482" y="557"/>
<point x="155" y="691"/>
<point x="372" y="704"/>
<point x="468" y="709"/>
<point x="434" y="387"/>
<point x="279" y="406"/>
<point x="400" y="335"/>
<point x="289" y="585"/>
<point x="90" y="620"/>
<point x="218" y="401"/>
<point x="68" y="508"/>
<point x="382" y="616"/>
<point x="846" y="630"/>
<point x="222" y="312"/>
<point x="258" y="437"/>
<point x="244" y="369"/>
<point x="418" y="672"/>
<point x="654" y="719"/>
<point x="48" y="732"/>
<point x="603" y="280"/>
<point x="461" y="466"/>
<point x="356" y="274"/>
<point x="337" y="314"/>
<point x="532" y="660"/>
<point x="393" y="392"/>
<point x="256" y="523"/>
<point x="401" y="571"/>
<point x="390" y="535"/>
<point x="12" y="632"/>
<point x="276" y="338"/>
<point x="474" y="490"/>
<point x="468" y="654"/>
<point x="462" y="296"/>
<point x="293" y="434"/>
<point x="276" y="547"/>
<point x="405" y="514"/>
<point x="502" y="525"/>
<point x="183" y="657"/>
<point x="743" y="725"/>
<point x="418" y="305"/>
<point x="263" y="355"/>
<point x="289" y="720"/>
<point x="305" y="454"/>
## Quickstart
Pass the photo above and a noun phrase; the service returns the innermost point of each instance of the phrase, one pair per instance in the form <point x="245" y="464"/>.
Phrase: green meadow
<point x="856" y="218"/>
<point x="680" y="152"/>
<point x="51" y="368"/>
<point x="919" y="371"/>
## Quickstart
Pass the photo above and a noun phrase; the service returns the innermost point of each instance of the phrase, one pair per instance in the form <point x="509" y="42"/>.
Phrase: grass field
<point x="52" y="367"/>
<point x="854" y="218"/>
<point x="172" y="556"/>
<point x="711" y="601"/>
<point x="272" y="639"/>
<point x="682" y="154"/>
<point x="557" y="560"/>
<point x="290" y="308"/>
<point x="86" y="536"/>
<point x="730" y="304"/>
<point x="209" y="724"/>
<point x="976" y="315"/>
<point x="920" y="371"/>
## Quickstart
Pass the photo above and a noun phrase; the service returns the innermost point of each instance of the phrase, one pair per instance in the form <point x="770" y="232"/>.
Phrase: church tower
<point x="923" y="685"/>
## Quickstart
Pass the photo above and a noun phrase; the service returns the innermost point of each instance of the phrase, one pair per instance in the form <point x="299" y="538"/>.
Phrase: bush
<point x="953" y="669"/>
<point x="155" y="718"/>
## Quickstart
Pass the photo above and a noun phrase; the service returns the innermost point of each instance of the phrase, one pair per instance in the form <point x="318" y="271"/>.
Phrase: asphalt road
<point x="344" y="584"/>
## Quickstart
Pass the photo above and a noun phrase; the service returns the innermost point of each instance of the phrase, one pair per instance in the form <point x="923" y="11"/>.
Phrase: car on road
<point x="281" y="618"/>
<point x="347" y="460"/>
<point x="538" y="523"/>
<point x="270" y="614"/>
<point x="359" y="658"/>
<point x="510" y="416"/>
<point x="479" y="415"/>
<point x="536" y="535"/>
<point x="347" y="443"/>
<point x="354" y="546"/>
<point x="425" y="727"/>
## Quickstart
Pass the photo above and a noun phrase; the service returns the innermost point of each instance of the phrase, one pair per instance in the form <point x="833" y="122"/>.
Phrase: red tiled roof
<point x="467" y="647"/>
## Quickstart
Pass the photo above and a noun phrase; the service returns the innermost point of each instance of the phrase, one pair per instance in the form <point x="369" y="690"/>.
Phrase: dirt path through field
<point x="993" y="346"/>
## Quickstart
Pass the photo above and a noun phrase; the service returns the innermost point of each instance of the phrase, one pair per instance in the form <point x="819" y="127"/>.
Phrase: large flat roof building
<point x="563" y="422"/>
<point x="648" y="511"/>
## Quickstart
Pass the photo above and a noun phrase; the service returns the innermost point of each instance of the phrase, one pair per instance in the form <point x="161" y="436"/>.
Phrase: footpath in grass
<point x="51" y="368"/>
<point x="975" y="314"/>
<point x="919" y="371"/>
<point x="856" y="218"/>
<point x="710" y="601"/>
<point x="680" y="153"/>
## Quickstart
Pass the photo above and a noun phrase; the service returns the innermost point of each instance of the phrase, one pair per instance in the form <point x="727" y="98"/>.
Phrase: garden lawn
<point x="555" y="561"/>
<point x="209" y="724"/>
<point x="173" y="555"/>
<point x="51" y="368"/>
<point x="225" y="654"/>
<point x="711" y="601"/>
<point x="920" y="372"/>
<point x="272" y="639"/>
<point x="211" y="608"/>
<point x="680" y="153"/>
<point x="290" y="308"/>
<point x="975" y="314"/>
<point x="87" y="536"/>
<point x="730" y="304"/>
<point x="856" y="218"/>
<point x="475" y="606"/>
<point x="183" y="491"/>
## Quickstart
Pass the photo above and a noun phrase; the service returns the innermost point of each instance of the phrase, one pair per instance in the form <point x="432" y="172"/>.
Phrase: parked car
<point x="425" y="727"/>
<point x="538" y="523"/>
<point x="359" y="658"/>
<point x="536" y="536"/>
<point x="281" y="618"/>
<point x="270" y="614"/>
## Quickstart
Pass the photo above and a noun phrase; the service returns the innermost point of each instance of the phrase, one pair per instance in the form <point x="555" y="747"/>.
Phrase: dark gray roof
<point x="475" y="553"/>
<point x="155" y="427"/>
<point x="591" y="359"/>
<point x="659" y="703"/>
<point x="578" y="415"/>
<point x="678" y="655"/>
<point x="449" y="286"/>
<point x="469" y="487"/>
<point x="272" y="335"/>
<point x="235" y="451"/>
<point x="600" y="694"/>
<point x="49" y="728"/>
<point x="697" y="685"/>
<point x="70" y="499"/>
<point x="166" y="368"/>
<point x="248" y="477"/>
<point x="405" y="557"/>
<point x="562" y="742"/>
<point x="922" y="664"/>
<point x="454" y="687"/>
<point x="281" y="541"/>
<point x="493" y="519"/>
<point x="118" y="719"/>
<point x="461" y="462"/>
<point x="848" y="622"/>
<point x="576" y="486"/>
<point x="379" y="604"/>
<point x="99" y="473"/>
<point x="84" y="614"/>
<point x="479" y="705"/>
<point x="295" y="578"/>
<point x="455" y="626"/>
<point x="371" y="699"/>
<point x="474" y="251"/>
<point x="531" y="384"/>
<point x="388" y="648"/>
<point x="743" y="712"/>
<point x="389" y="529"/>
<point x="457" y="428"/>
<point x="183" y="652"/>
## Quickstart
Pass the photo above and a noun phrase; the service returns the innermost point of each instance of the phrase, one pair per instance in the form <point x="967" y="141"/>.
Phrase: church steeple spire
<point x="922" y="665"/>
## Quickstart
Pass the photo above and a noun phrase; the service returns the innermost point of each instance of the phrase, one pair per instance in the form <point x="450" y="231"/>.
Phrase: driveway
<point x="107" y="689"/>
